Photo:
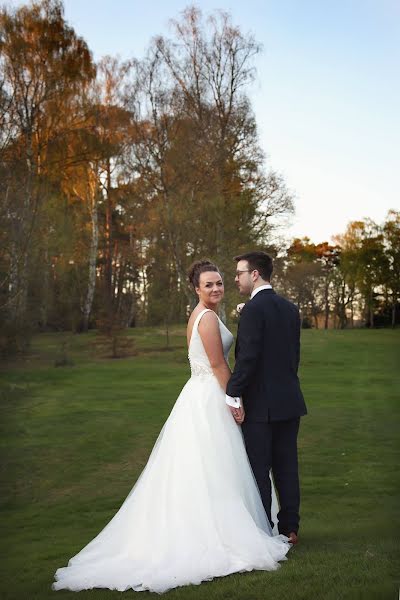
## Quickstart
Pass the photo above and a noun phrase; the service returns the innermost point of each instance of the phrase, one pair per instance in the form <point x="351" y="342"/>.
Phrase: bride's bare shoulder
<point x="193" y="316"/>
<point x="209" y="315"/>
<point x="190" y="323"/>
<point x="207" y="318"/>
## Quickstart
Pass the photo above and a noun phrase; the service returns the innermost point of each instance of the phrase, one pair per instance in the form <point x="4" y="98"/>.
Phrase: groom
<point x="264" y="392"/>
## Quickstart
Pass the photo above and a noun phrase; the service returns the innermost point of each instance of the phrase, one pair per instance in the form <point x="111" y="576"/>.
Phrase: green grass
<point x="75" y="439"/>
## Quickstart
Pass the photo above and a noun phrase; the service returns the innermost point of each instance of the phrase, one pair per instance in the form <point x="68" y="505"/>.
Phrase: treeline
<point x="115" y="176"/>
<point x="353" y="282"/>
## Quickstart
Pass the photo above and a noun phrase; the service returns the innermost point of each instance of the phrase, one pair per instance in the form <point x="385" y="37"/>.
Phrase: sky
<point x="326" y="95"/>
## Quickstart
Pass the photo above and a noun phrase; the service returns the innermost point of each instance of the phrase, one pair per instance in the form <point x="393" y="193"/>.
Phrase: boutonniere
<point x="239" y="307"/>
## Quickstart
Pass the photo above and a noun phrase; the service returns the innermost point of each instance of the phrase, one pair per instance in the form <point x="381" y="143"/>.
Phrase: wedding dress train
<point x="195" y="512"/>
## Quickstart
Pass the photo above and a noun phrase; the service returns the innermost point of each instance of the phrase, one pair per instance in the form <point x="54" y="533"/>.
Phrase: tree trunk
<point x="326" y="323"/>
<point x="28" y="213"/>
<point x="45" y="289"/>
<point x="13" y="287"/>
<point x="171" y="231"/>
<point x="167" y="331"/>
<point x="18" y="294"/>
<point x="19" y="270"/>
<point x="87" y="307"/>
<point x="118" y="284"/>
<point x="132" y="310"/>
<point x="108" y="247"/>
<point x="371" y="309"/>
<point x="22" y="298"/>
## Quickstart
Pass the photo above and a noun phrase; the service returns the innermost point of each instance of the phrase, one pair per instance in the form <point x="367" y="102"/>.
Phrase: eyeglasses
<point x="238" y="273"/>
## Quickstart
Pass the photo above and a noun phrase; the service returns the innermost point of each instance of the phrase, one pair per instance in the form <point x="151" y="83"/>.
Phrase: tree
<point x="329" y="258"/>
<point x="391" y="242"/>
<point x="301" y="279"/>
<point x="43" y="67"/>
<point x="363" y="267"/>
<point x="196" y="144"/>
<point x="111" y="186"/>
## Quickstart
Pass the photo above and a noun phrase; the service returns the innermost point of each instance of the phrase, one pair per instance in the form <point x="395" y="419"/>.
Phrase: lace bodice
<point x="198" y="359"/>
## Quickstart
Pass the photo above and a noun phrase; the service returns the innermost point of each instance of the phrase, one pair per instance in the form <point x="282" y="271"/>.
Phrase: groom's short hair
<point x="260" y="261"/>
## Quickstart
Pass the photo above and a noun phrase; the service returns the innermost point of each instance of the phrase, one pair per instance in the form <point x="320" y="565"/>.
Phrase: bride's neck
<point x="211" y="307"/>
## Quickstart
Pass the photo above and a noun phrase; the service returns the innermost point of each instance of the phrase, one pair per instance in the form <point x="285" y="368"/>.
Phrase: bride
<point x="195" y="512"/>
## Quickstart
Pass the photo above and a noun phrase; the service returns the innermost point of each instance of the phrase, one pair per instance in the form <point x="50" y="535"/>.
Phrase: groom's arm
<point x="250" y="348"/>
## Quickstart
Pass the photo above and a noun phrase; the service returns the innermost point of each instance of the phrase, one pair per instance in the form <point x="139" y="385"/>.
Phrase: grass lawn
<point x="75" y="439"/>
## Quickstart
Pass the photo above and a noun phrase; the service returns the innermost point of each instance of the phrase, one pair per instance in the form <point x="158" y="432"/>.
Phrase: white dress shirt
<point x="230" y="400"/>
<point x="267" y="286"/>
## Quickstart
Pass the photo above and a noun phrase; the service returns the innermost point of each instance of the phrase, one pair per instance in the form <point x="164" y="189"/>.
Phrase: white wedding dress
<point x="195" y="512"/>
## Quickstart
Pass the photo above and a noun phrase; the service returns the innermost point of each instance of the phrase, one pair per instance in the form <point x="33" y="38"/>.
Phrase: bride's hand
<point x="238" y="415"/>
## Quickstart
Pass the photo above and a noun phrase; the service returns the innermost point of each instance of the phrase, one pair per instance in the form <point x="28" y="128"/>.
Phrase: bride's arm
<point x="211" y="338"/>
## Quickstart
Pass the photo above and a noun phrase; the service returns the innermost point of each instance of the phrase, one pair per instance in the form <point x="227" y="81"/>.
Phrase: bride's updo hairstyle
<point x="199" y="267"/>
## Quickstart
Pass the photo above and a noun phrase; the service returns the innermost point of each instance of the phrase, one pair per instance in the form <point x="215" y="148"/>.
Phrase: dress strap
<point x="197" y="321"/>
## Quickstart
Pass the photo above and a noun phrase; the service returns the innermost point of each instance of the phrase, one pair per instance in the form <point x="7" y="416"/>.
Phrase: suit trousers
<point x="273" y="445"/>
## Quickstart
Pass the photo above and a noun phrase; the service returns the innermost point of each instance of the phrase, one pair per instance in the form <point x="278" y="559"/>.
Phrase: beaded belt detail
<point x="199" y="369"/>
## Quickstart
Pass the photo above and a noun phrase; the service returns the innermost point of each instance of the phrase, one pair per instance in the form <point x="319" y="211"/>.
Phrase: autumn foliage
<point x="115" y="176"/>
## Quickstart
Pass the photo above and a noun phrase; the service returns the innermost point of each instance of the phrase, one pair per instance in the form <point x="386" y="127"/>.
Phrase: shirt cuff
<point x="235" y="402"/>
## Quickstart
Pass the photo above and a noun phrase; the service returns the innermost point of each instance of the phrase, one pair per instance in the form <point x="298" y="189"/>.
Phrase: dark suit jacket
<point x="267" y="358"/>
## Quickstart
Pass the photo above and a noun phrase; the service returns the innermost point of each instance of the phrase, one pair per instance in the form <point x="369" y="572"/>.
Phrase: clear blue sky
<point x="326" y="98"/>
